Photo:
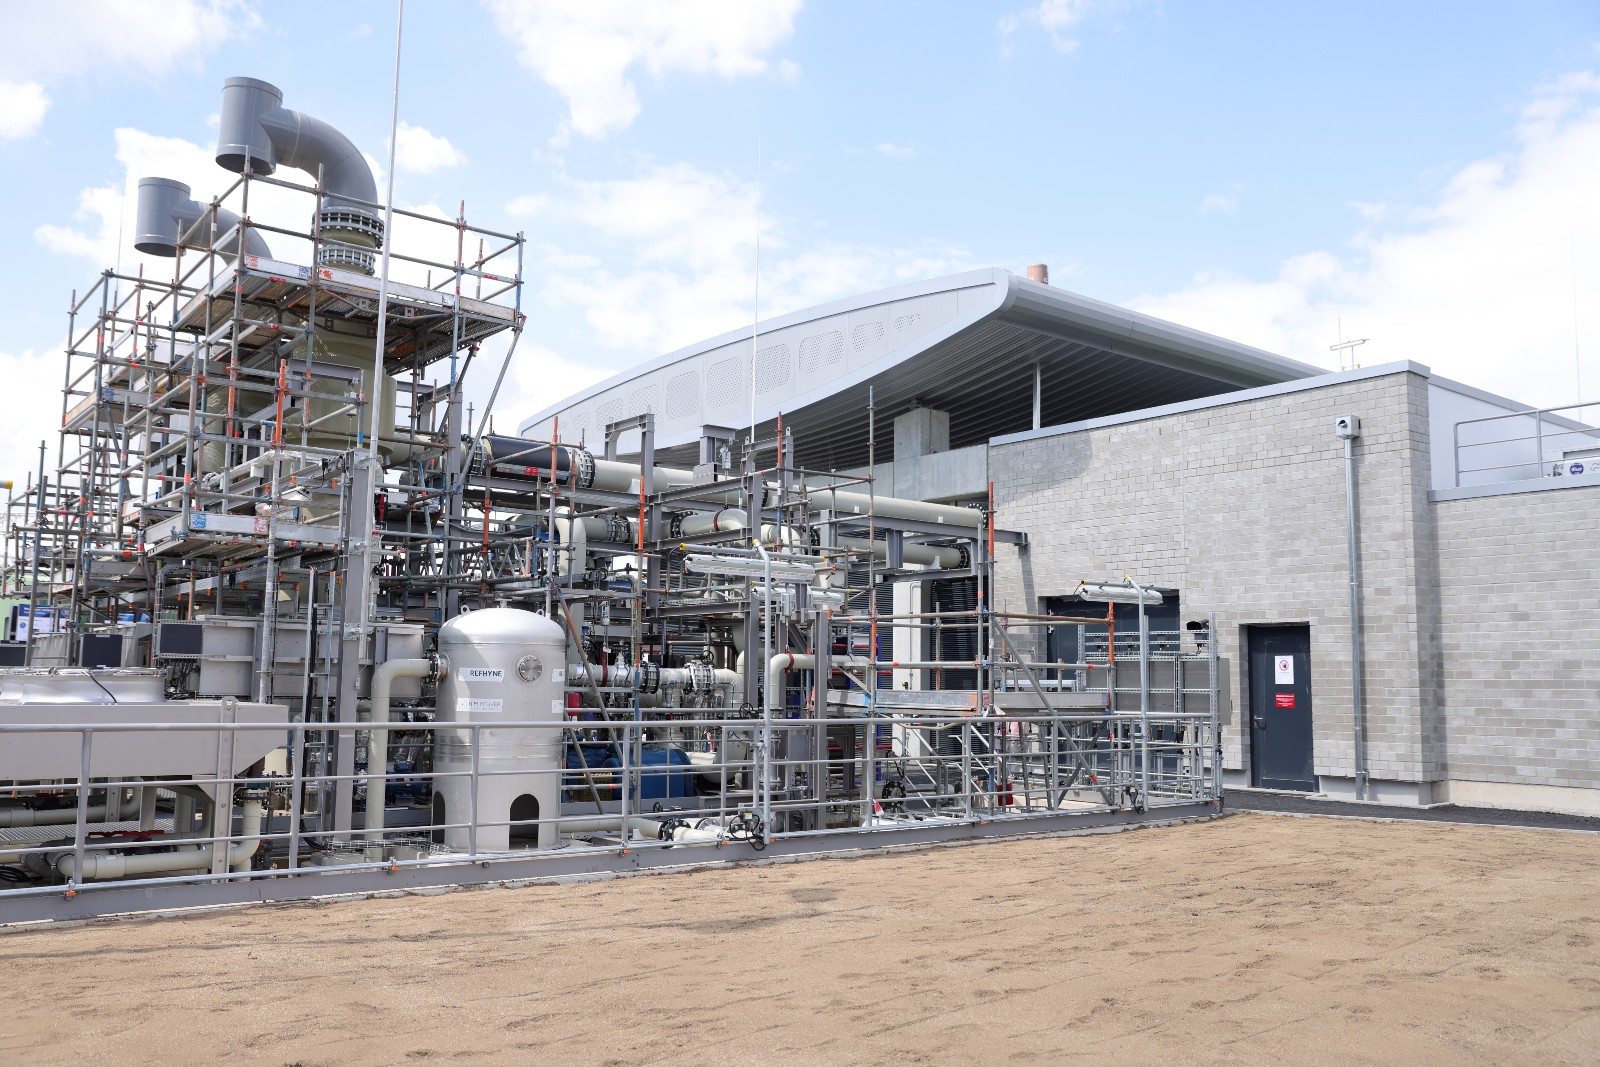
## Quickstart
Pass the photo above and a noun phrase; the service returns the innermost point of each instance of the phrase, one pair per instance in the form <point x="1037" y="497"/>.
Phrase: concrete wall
<point x="1519" y="593"/>
<point x="1241" y="506"/>
<point x="1481" y="614"/>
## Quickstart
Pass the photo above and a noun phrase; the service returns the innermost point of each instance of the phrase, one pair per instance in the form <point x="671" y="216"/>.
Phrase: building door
<point x="1280" y="708"/>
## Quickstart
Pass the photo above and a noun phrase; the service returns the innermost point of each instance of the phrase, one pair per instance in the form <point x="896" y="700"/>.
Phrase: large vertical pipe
<point x="1144" y="699"/>
<point x="383" y="676"/>
<point x="1357" y="709"/>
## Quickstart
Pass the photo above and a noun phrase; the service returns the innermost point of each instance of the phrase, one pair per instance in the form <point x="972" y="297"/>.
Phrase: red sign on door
<point x="1283" y="700"/>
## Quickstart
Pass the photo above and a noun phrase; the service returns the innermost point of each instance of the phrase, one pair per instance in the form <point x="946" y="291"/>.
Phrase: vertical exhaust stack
<point x="166" y="212"/>
<point x="1039" y="272"/>
<point x="256" y="129"/>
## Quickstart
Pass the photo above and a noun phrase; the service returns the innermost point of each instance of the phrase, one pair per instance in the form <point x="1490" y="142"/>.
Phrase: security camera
<point x="1347" y="426"/>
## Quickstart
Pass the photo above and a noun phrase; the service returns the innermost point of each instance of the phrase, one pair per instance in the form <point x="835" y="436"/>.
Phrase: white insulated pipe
<point x="48" y="816"/>
<point x="922" y="555"/>
<point x="581" y="674"/>
<point x="104" y="866"/>
<point x="576" y="532"/>
<point x="604" y="823"/>
<point x="383" y="676"/>
<point x="782" y="662"/>
<point x="617" y="477"/>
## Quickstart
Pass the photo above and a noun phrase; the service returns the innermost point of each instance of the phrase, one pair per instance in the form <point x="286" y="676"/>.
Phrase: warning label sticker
<point x="1283" y="670"/>
<point x="1284" y="700"/>
<point x="477" y="705"/>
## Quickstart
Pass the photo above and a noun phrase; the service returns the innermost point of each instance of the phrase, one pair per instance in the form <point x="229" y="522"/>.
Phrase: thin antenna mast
<point x="1577" y="355"/>
<point x="755" y="306"/>
<point x="388" y="239"/>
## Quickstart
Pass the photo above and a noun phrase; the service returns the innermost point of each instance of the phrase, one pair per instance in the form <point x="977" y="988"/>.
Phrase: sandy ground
<point x="1252" y="939"/>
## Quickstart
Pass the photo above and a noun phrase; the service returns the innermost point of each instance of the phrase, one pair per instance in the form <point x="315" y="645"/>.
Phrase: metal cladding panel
<point x="128" y="753"/>
<point x="966" y="344"/>
<point x="799" y="356"/>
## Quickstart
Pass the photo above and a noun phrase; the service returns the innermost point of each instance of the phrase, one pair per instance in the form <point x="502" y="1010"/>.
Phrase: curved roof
<point x="966" y="343"/>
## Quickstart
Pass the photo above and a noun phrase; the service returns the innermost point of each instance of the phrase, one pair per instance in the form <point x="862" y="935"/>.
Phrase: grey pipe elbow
<point x="165" y="212"/>
<point x="255" y="128"/>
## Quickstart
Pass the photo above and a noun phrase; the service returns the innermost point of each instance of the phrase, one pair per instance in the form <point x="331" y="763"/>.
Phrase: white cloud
<point x="1478" y="284"/>
<point x="1057" y="18"/>
<point x="103" y="211"/>
<point x="89" y="36"/>
<point x="33" y="396"/>
<point x="1228" y="205"/>
<point x="670" y="260"/>
<point x="423" y="152"/>
<point x="528" y="205"/>
<point x="537" y="377"/>
<point x="588" y="50"/>
<point x="22" y="108"/>
<point x="895" y="151"/>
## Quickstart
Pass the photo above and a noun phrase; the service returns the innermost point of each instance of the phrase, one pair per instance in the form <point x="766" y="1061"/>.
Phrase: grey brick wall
<point x="1242" y="508"/>
<point x="1518" y="585"/>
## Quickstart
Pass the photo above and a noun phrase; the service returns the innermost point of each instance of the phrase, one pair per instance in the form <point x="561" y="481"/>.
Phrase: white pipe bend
<point x="783" y="662"/>
<point x="106" y="866"/>
<point x="383" y="676"/>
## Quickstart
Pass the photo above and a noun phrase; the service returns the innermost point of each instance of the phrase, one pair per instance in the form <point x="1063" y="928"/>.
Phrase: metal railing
<point x="1524" y="445"/>
<point x="704" y="780"/>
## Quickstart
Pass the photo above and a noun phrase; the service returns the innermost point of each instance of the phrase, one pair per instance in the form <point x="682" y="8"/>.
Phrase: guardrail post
<point x="472" y="826"/>
<point x="80" y="824"/>
<point x="297" y="756"/>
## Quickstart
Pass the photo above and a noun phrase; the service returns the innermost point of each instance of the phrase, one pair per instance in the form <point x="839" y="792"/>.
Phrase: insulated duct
<point x="614" y="476"/>
<point x="255" y="129"/>
<point x="166" y="212"/>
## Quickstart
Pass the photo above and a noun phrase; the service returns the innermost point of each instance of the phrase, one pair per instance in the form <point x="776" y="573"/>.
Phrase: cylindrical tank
<point x="500" y="665"/>
<point x="330" y="392"/>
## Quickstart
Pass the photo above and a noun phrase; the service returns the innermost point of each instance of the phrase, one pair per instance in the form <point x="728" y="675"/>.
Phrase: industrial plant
<point x="967" y="557"/>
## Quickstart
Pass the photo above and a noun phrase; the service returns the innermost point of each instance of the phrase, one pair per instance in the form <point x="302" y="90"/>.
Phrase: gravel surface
<point x="1246" y="939"/>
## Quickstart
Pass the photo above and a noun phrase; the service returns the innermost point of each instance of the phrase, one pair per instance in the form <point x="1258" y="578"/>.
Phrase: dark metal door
<point x="1280" y="708"/>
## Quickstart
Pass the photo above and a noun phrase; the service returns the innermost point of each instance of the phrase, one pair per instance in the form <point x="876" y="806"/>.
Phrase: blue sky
<point x="1423" y="174"/>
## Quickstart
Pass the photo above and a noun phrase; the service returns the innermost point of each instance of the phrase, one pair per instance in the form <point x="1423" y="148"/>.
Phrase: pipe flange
<point x="352" y="220"/>
<point x="702" y="676"/>
<point x="966" y="555"/>
<point x="581" y="466"/>
<point x="648" y="678"/>
<point x="617" y="529"/>
<point x="675" y="528"/>
<point x="350" y="258"/>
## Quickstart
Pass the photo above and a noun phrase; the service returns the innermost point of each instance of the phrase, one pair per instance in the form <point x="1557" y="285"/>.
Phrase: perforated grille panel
<point x="574" y="426"/>
<point x="724" y="382"/>
<point x="866" y="335"/>
<point x="905" y="322"/>
<point x="683" y="395"/>
<point x="607" y="413"/>
<point x="645" y="399"/>
<point x="823" y="350"/>
<point x="772" y="368"/>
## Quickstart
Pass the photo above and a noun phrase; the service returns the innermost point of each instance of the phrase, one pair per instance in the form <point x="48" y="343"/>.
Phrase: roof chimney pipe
<point x="1039" y="272"/>
<point x="255" y="127"/>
